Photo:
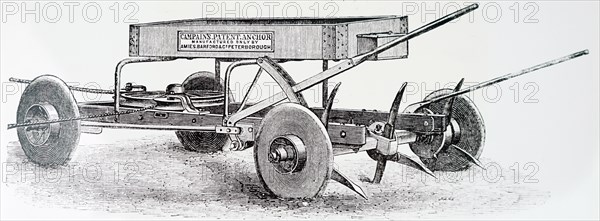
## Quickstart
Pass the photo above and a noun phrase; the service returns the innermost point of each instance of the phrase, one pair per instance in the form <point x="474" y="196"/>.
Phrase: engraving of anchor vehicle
<point x="294" y="145"/>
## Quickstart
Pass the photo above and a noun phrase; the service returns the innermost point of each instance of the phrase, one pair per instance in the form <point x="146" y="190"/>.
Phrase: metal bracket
<point x="227" y="130"/>
<point x="388" y="146"/>
<point x="246" y="131"/>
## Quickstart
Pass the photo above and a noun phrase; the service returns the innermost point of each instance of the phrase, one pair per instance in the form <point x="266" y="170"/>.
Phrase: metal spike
<point x="379" y="170"/>
<point x="340" y="178"/>
<point x="335" y="174"/>
<point x="459" y="84"/>
<point x="388" y="132"/>
<point x="329" y="104"/>
<point x="414" y="163"/>
<point x="447" y="111"/>
<point x="448" y="106"/>
<point x="469" y="157"/>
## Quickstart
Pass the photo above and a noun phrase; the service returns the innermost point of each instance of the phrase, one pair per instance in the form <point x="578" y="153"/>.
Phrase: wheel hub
<point x="465" y="131"/>
<point x="287" y="154"/>
<point x="39" y="135"/>
<point x="455" y="131"/>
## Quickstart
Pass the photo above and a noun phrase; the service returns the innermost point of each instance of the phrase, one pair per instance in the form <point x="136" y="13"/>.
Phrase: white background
<point x="558" y="132"/>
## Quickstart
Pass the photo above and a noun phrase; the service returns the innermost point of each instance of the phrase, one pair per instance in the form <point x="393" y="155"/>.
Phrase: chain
<point x="82" y="89"/>
<point x="11" y="126"/>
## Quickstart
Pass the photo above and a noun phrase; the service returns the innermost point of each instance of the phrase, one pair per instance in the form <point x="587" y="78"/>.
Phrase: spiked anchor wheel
<point x="293" y="152"/>
<point x="202" y="141"/>
<point x="48" y="98"/>
<point x="463" y="141"/>
<point x="387" y="130"/>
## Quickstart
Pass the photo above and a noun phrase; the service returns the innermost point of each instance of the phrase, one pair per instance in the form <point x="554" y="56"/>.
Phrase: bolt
<point x="194" y="120"/>
<point x="426" y="123"/>
<point x="343" y="134"/>
<point x="235" y="145"/>
<point x="140" y="117"/>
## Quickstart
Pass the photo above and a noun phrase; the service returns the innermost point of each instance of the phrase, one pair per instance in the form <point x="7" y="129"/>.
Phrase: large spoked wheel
<point x="293" y="153"/>
<point x="202" y="141"/>
<point x="48" y="98"/>
<point x="466" y="131"/>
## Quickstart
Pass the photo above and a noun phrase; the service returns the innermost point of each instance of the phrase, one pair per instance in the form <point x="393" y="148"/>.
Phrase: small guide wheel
<point x="293" y="154"/>
<point x="48" y="98"/>
<point x="466" y="131"/>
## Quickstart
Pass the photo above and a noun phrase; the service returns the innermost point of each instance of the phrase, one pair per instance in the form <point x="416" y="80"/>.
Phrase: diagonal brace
<point x="280" y="76"/>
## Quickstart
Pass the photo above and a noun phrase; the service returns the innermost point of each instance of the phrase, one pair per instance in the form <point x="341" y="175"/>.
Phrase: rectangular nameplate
<point x="208" y="41"/>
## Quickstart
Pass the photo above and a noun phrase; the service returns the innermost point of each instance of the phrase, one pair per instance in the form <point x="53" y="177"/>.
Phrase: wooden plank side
<point x="289" y="42"/>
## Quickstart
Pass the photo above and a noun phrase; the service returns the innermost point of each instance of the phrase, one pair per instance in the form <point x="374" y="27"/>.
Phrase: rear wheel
<point x="48" y="98"/>
<point x="203" y="141"/>
<point x="466" y="131"/>
<point x="293" y="153"/>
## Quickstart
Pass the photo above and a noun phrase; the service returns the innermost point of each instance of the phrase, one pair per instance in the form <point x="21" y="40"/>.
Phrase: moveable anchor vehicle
<point x="294" y="145"/>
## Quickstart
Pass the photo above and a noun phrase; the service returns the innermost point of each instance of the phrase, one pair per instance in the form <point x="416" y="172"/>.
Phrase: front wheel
<point x="48" y="98"/>
<point x="293" y="153"/>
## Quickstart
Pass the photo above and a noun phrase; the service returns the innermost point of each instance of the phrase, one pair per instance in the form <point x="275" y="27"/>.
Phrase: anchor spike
<point x="335" y="174"/>
<point x="448" y="106"/>
<point x="329" y="104"/>
<point x="469" y="157"/>
<point x="389" y="127"/>
<point x="459" y="84"/>
<point x="388" y="132"/>
<point x="414" y="163"/>
<point x="342" y="179"/>
<point x="447" y="111"/>
<point x="379" y="171"/>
